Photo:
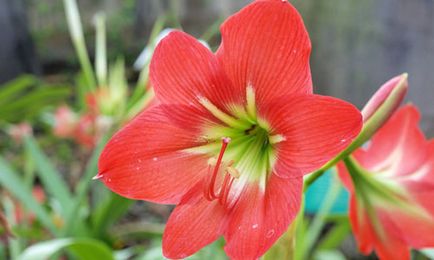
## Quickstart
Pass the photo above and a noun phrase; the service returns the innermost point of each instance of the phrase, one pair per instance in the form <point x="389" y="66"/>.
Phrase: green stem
<point x="320" y="219"/>
<point x="77" y="36"/>
<point x="312" y="178"/>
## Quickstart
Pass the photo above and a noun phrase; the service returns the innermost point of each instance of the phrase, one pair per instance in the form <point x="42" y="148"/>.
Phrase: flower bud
<point x="387" y="98"/>
<point x="381" y="107"/>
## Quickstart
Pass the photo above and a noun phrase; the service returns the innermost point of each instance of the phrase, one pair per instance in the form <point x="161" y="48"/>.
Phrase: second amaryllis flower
<point x="392" y="188"/>
<point x="233" y="134"/>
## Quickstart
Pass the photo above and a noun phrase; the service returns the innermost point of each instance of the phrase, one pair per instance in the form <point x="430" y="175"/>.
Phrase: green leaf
<point x="100" y="49"/>
<point x="213" y="251"/>
<point x="140" y="87"/>
<point x="11" y="182"/>
<point x="50" y="177"/>
<point x="15" y="87"/>
<point x="109" y="212"/>
<point x="83" y="186"/>
<point x="77" y="36"/>
<point x="83" y="248"/>
<point x="14" y="243"/>
<point x="32" y="103"/>
<point x="25" y="97"/>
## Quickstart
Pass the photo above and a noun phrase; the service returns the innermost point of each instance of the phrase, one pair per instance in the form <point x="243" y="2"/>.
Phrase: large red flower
<point x="233" y="133"/>
<point x="392" y="189"/>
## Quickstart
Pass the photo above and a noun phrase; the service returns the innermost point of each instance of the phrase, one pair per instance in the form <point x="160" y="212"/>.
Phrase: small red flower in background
<point x="232" y="134"/>
<point x="392" y="190"/>
<point x="65" y="121"/>
<point x="80" y="128"/>
<point x="19" y="131"/>
<point x="86" y="129"/>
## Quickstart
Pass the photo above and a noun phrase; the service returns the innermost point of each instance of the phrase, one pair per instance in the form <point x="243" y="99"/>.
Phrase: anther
<point x="233" y="172"/>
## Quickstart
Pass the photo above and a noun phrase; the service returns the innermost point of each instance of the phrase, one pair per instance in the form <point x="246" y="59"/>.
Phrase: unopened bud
<point x="382" y="105"/>
<point x="388" y="97"/>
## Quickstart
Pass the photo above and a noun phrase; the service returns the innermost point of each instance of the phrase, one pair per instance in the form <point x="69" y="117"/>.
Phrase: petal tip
<point x="98" y="176"/>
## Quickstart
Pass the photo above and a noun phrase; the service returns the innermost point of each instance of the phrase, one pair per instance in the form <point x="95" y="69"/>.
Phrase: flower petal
<point x="398" y="147"/>
<point x="145" y="160"/>
<point x="261" y="217"/>
<point x="416" y="230"/>
<point x="316" y="128"/>
<point x="182" y="70"/>
<point x="266" y="46"/>
<point x="193" y="224"/>
<point x="362" y="228"/>
<point x="390" y="247"/>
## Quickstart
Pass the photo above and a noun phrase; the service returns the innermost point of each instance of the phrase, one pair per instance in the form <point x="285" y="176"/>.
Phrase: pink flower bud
<point x="387" y="98"/>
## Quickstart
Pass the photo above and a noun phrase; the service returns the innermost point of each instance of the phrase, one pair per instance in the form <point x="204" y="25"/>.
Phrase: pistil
<point x="210" y="193"/>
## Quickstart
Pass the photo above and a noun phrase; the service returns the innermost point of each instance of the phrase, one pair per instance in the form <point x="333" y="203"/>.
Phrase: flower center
<point x="242" y="150"/>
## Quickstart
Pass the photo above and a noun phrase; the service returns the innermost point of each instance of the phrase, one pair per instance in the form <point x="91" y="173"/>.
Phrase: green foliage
<point x="25" y="97"/>
<point x="12" y="182"/>
<point x="49" y="176"/>
<point x="83" y="248"/>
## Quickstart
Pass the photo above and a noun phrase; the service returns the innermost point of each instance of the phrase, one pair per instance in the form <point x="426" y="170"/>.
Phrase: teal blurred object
<point x="316" y="193"/>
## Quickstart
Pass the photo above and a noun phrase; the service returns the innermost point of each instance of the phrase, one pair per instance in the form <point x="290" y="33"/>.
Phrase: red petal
<point x="361" y="226"/>
<point x="316" y="129"/>
<point x="392" y="247"/>
<point x="424" y="175"/>
<point x="182" y="70"/>
<point x="416" y="231"/>
<point x="260" y="218"/>
<point x="266" y="46"/>
<point x="193" y="224"/>
<point x="145" y="160"/>
<point x="399" y="146"/>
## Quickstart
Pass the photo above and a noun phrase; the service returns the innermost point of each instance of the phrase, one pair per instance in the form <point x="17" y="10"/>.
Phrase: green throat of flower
<point x="374" y="192"/>
<point x="242" y="150"/>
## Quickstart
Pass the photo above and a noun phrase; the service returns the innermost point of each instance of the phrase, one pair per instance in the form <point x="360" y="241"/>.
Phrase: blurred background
<point x="70" y="75"/>
<point x="357" y="45"/>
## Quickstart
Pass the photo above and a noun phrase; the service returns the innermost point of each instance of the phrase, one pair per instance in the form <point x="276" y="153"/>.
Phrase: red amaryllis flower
<point x="65" y="121"/>
<point x="392" y="188"/>
<point x="232" y="135"/>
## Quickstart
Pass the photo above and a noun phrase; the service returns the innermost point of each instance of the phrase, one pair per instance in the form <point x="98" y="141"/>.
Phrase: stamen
<point x="251" y="101"/>
<point x="211" y="193"/>
<point x="207" y="184"/>
<point x="226" y="187"/>
<point x="233" y="172"/>
<point x="225" y="118"/>
<point x="274" y="139"/>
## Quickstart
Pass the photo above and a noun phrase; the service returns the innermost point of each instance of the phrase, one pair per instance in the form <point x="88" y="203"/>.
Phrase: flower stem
<point x="312" y="178"/>
<point x="77" y="36"/>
